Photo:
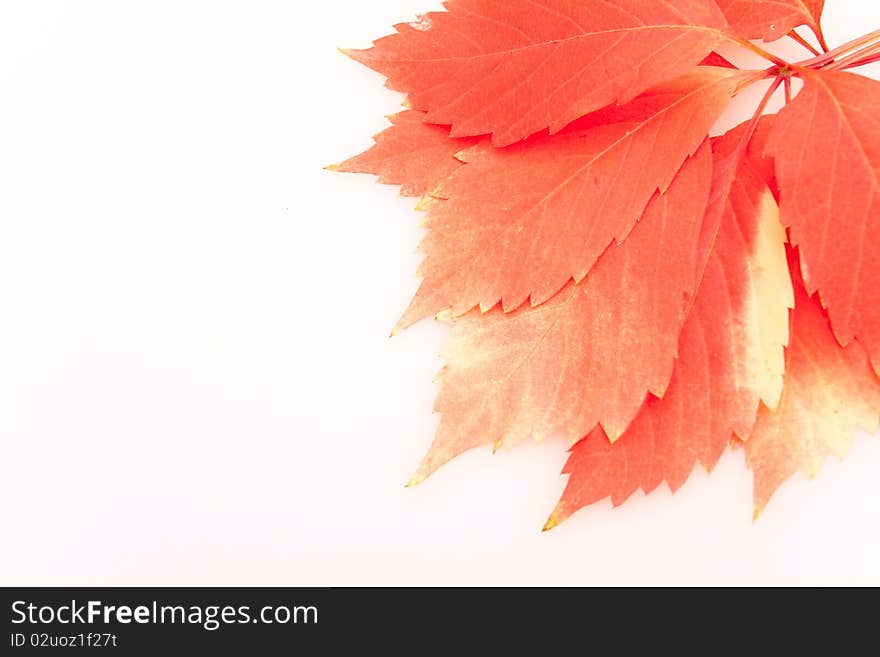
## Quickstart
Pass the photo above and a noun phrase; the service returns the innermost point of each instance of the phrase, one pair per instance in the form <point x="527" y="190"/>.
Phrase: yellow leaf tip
<point x="556" y="518"/>
<point x="417" y="479"/>
<point x="757" y="513"/>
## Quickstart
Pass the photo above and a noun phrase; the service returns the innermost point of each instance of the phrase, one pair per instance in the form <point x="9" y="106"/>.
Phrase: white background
<point x="196" y="380"/>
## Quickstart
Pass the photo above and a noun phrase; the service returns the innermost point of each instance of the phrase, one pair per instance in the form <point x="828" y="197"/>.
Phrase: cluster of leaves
<point x="614" y="274"/>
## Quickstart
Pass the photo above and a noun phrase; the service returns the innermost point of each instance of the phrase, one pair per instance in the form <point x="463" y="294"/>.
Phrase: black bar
<point x="417" y="621"/>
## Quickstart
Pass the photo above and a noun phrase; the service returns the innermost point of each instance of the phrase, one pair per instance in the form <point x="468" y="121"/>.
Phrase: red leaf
<point x="520" y="222"/>
<point x="410" y="153"/>
<point x="611" y="276"/>
<point x="515" y="67"/>
<point x="588" y="355"/>
<point x="730" y="357"/>
<point x="827" y="149"/>
<point x="771" y="19"/>
<point x="830" y="392"/>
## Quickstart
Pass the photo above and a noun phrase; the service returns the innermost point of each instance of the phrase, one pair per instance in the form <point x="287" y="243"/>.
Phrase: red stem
<point x="820" y="36"/>
<point x="857" y="56"/>
<point x="864" y="62"/>
<point x="797" y="38"/>
<point x="845" y="49"/>
<point x="760" y="111"/>
<point x="745" y="43"/>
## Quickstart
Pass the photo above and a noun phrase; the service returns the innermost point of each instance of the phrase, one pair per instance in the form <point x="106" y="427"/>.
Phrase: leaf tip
<point x="410" y="316"/>
<point x="757" y="513"/>
<point x="556" y="518"/>
<point x="417" y="478"/>
<point x="360" y="56"/>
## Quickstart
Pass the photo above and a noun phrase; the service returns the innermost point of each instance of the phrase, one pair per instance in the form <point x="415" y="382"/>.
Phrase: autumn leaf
<point x="411" y="153"/>
<point x="515" y="67"/>
<point x="772" y="19"/>
<point x="830" y="393"/>
<point x="518" y="223"/>
<point x="589" y="355"/>
<point x="612" y="274"/>
<point x="827" y="150"/>
<point x="730" y="358"/>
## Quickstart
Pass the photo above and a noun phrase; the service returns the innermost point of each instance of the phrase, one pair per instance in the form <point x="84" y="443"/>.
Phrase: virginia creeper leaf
<point x="411" y="153"/>
<point x="730" y="358"/>
<point x="612" y="274"/>
<point x="590" y="354"/>
<point x="830" y="393"/>
<point x="771" y="19"/>
<point x="515" y="67"/>
<point x="827" y="149"/>
<point x="520" y="222"/>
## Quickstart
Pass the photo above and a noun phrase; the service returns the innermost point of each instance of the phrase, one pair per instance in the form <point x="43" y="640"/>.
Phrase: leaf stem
<point x="745" y="43"/>
<point x="864" y="62"/>
<point x="845" y="49"/>
<point x="857" y="56"/>
<point x="797" y="38"/>
<point x="820" y="36"/>
<point x="750" y="132"/>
